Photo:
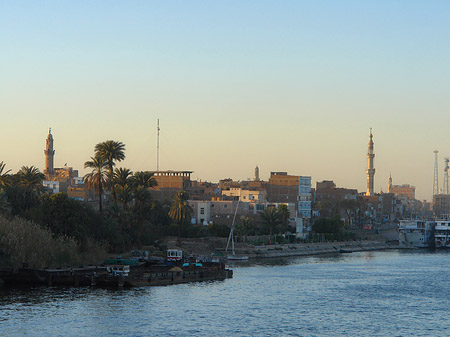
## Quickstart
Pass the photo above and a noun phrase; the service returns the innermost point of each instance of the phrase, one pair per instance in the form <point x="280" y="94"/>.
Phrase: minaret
<point x="370" y="170"/>
<point x="256" y="173"/>
<point x="390" y="189"/>
<point x="49" y="155"/>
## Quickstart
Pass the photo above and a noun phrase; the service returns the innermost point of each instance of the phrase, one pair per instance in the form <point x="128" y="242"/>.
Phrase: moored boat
<point x="442" y="232"/>
<point x="416" y="233"/>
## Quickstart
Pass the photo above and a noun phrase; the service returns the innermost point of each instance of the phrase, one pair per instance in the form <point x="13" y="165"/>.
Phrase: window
<point x="202" y="210"/>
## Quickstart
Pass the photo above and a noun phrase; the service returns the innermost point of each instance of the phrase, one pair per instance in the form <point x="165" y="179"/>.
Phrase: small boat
<point x="233" y="257"/>
<point x="344" y="251"/>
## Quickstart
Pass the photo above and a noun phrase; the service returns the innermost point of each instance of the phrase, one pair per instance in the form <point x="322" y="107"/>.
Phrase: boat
<point x="233" y="256"/>
<point x="442" y="232"/>
<point x="417" y="233"/>
<point x="174" y="255"/>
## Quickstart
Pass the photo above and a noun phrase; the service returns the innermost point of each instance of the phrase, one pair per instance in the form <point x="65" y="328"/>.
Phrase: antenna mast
<point x="157" y="147"/>
<point x="436" y="174"/>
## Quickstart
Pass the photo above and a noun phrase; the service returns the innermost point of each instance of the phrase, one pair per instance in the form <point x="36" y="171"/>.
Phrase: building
<point x="49" y="156"/>
<point x="441" y="204"/>
<point x="282" y="187"/>
<point x="290" y="189"/>
<point x="405" y="190"/>
<point x="370" y="167"/>
<point x="52" y="186"/>
<point x="169" y="183"/>
<point x="56" y="179"/>
<point x="245" y="194"/>
<point x="390" y="187"/>
<point x="328" y="198"/>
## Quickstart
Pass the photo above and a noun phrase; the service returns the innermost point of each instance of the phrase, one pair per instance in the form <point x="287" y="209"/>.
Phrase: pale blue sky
<point x="286" y="85"/>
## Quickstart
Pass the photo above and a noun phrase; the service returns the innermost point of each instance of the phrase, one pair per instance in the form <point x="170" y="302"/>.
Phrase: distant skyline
<point x="292" y="86"/>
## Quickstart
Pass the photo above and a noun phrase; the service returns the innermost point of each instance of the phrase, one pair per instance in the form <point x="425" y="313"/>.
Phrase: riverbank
<point x="207" y="246"/>
<point x="307" y="249"/>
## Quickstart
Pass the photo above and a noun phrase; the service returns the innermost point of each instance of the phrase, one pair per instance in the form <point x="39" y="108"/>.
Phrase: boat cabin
<point x="117" y="270"/>
<point x="174" y="255"/>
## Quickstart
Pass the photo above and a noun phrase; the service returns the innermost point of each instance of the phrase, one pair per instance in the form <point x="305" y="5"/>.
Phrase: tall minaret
<point x="370" y="170"/>
<point x="390" y="189"/>
<point x="49" y="155"/>
<point x="256" y="173"/>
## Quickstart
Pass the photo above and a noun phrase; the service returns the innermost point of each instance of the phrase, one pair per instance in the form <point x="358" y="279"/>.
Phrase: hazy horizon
<point x="289" y="87"/>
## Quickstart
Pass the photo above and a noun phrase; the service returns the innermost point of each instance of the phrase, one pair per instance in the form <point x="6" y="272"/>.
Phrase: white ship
<point x="416" y="233"/>
<point x="442" y="232"/>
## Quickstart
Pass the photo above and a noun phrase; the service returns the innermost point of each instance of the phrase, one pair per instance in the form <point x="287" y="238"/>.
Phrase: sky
<point x="286" y="85"/>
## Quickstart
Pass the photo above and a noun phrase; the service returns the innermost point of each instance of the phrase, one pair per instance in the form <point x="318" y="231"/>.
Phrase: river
<point x="394" y="293"/>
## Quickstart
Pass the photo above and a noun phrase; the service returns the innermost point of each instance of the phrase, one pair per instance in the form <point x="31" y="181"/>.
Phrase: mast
<point x="157" y="146"/>
<point x="231" y="236"/>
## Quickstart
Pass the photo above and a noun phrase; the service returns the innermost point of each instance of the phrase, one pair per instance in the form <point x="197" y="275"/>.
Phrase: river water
<point x="391" y="293"/>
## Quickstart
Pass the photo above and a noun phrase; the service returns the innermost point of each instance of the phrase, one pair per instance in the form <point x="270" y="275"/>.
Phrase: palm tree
<point x="31" y="179"/>
<point x="144" y="179"/>
<point x="122" y="181"/>
<point x="98" y="177"/>
<point x="270" y="217"/>
<point x="3" y="175"/>
<point x="111" y="151"/>
<point x="283" y="215"/>
<point x="180" y="211"/>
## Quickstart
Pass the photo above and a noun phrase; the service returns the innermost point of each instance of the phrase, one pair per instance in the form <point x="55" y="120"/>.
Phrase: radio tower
<point x="157" y="146"/>
<point x="445" y="189"/>
<point x="436" y="174"/>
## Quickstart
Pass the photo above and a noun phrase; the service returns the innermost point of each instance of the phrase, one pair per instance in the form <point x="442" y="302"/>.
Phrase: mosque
<point x="61" y="179"/>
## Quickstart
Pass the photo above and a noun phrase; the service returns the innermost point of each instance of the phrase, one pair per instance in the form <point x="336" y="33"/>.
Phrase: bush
<point x="25" y="242"/>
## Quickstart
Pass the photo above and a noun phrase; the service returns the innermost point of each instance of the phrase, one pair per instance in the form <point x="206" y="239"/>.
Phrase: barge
<point x="115" y="275"/>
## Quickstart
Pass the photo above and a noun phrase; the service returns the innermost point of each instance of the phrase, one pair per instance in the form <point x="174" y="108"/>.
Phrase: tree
<point x="283" y="215"/>
<point x="98" y="177"/>
<point x="141" y="182"/>
<point x="246" y="227"/>
<point x="180" y="212"/>
<point x="328" y="225"/>
<point x="111" y="151"/>
<point x="270" y="218"/>
<point x="24" y="188"/>
<point x="144" y="179"/>
<point x="4" y="175"/>
<point x="31" y="179"/>
<point x="122" y="181"/>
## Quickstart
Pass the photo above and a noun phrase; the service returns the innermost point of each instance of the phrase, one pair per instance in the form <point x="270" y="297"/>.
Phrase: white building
<point x="53" y="186"/>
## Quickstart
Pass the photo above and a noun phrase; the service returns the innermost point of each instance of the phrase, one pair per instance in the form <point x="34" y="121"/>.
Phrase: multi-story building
<point x="169" y="183"/>
<point x="405" y="190"/>
<point x="441" y="204"/>
<point x="328" y="198"/>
